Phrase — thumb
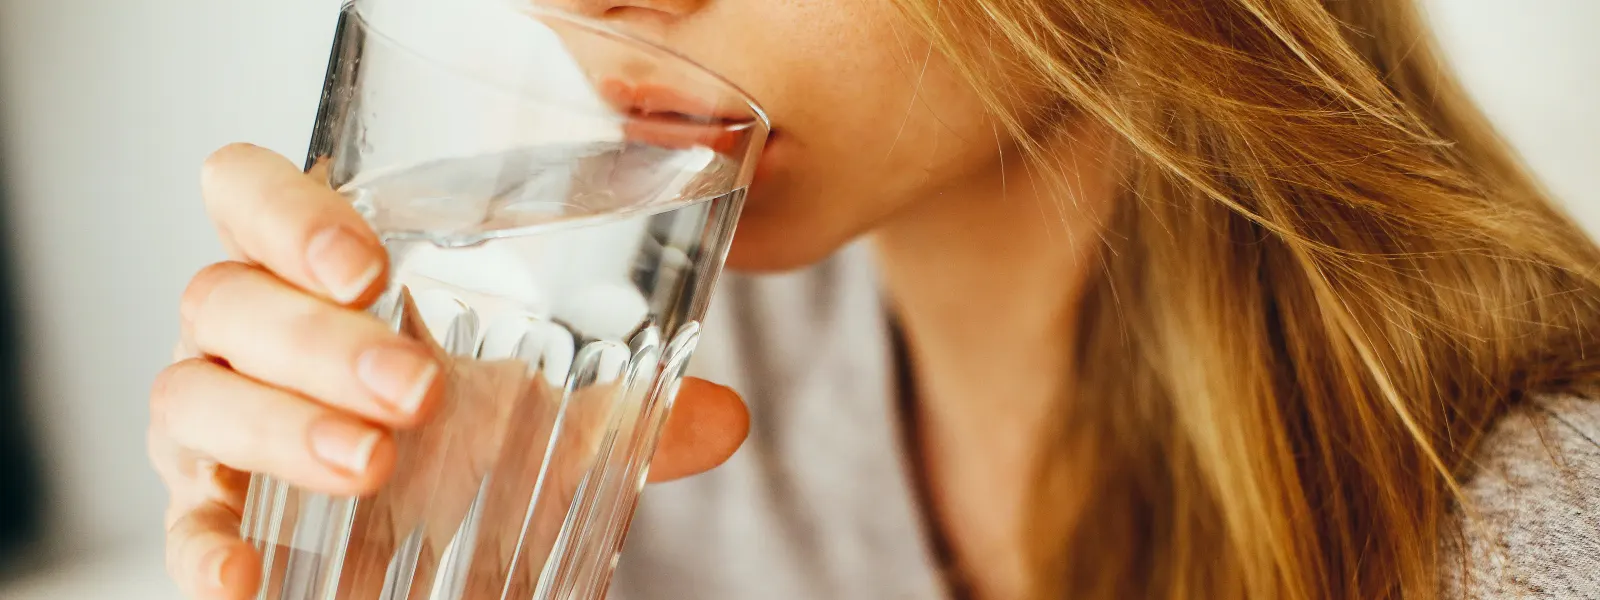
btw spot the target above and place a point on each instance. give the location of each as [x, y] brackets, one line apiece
[707, 425]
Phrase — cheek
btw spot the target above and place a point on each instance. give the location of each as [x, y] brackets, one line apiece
[868, 120]
[843, 173]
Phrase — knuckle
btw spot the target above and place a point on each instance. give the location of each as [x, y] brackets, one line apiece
[216, 165]
[156, 452]
[172, 387]
[177, 540]
[191, 305]
[159, 390]
[174, 464]
[169, 382]
[156, 444]
[171, 516]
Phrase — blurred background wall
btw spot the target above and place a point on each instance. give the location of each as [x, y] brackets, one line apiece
[108, 106]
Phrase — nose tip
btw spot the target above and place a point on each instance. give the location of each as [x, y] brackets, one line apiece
[629, 10]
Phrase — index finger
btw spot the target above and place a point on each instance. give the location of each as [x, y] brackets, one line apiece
[270, 213]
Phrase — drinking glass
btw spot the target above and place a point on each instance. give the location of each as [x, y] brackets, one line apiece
[557, 200]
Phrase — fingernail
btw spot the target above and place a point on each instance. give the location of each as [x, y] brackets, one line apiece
[214, 565]
[343, 262]
[399, 375]
[344, 445]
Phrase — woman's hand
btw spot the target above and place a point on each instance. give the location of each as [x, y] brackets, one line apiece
[279, 371]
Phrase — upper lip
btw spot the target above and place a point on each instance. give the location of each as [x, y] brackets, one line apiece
[654, 101]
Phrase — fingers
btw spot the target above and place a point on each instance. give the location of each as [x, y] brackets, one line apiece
[207, 558]
[250, 426]
[707, 425]
[192, 479]
[271, 213]
[273, 333]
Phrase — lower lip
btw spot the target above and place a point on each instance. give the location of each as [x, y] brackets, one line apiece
[681, 135]
[669, 133]
[676, 132]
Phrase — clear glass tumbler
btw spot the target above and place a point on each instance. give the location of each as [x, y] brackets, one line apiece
[557, 199]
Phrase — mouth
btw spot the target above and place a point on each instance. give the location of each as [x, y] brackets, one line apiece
[661, 103]
[662, 116]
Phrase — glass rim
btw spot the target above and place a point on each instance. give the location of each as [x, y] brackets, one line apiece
[600, 28]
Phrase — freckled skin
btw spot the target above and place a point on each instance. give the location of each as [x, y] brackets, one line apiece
[868, 121]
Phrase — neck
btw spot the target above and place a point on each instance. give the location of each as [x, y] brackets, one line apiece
[985, 281]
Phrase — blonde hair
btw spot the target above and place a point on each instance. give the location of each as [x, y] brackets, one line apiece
[1327, 279]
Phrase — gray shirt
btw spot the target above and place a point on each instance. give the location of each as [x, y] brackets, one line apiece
[820, 503]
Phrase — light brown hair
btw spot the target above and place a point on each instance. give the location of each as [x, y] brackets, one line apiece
[1328, 277]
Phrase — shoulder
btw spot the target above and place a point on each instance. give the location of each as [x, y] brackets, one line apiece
[1529, 523]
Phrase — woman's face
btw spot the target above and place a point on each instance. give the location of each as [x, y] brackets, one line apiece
[866, 120]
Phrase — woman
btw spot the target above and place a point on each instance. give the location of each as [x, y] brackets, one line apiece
[1179, 299]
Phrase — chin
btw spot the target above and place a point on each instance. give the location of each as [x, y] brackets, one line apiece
[783, 227]
[758, 249]
[772, 243]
